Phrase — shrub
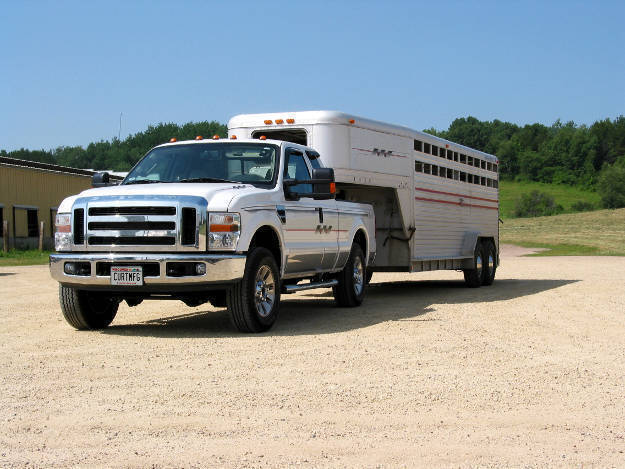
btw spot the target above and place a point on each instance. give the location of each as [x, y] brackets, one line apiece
[583, 206]
[536, 204]
[611, 185]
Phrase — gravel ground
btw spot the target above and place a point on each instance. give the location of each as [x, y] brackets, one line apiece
[529, 372]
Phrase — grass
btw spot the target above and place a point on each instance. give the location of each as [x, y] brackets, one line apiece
[601, 232]
[29, 257]
[510, 191]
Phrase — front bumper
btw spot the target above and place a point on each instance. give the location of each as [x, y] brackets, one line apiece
[220, 268]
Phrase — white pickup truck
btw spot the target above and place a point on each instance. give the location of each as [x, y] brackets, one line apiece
[233, 222]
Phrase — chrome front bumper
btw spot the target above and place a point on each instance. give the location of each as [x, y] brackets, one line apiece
[220, 268]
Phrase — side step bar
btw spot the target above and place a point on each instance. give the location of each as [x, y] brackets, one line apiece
[309, 286]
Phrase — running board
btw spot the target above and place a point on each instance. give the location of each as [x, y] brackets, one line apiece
[309, 286]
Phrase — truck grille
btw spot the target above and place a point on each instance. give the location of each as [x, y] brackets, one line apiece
[142, 223]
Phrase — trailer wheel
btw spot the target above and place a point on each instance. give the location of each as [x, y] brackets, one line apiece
[86, 310]
[473, 277]
[350, 290]
[490, 263]
[253, 302]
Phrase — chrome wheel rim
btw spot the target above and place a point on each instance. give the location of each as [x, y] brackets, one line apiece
[478, 264]
[358, 276]
[491, 262]
[264, 291]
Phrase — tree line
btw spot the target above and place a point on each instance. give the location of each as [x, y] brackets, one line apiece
[119, 155]
[560, 153]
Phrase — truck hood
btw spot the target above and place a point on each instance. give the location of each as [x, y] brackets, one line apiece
[218, 195]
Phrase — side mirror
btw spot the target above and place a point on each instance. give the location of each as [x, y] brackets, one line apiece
[100, 180]
[323, 184]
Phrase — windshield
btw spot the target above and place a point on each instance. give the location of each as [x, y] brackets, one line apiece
[207, 162]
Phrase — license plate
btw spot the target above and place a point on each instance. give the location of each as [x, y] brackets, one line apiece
[126, 275]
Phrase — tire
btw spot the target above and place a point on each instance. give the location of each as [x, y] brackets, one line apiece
[490, 263]
[86, 310]
[473, 277]
[253, 303]
[350, 290]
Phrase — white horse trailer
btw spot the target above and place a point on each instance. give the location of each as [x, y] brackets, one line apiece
[436, 202]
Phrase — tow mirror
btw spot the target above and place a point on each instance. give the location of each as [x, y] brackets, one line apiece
[323, 183]
[101, 180]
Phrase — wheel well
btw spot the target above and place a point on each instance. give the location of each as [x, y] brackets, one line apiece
[361, 239]
[267, 238]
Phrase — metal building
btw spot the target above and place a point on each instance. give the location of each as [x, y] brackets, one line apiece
[30, 193]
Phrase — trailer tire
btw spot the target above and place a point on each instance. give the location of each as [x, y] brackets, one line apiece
[86, 310]
[473, 277]
[253, 302]
[350, 290]
[490, 263]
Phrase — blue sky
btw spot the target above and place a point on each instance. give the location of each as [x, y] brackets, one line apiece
[68, 69]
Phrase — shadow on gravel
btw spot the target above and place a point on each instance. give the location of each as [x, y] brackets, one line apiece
[4, 274]
[316, 313]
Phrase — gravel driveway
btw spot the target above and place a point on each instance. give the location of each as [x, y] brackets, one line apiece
[528, 372]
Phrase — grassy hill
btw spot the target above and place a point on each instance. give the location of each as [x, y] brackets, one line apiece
[601, 232]
[564, 195]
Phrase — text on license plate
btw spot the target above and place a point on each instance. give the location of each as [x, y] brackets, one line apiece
[126, 275]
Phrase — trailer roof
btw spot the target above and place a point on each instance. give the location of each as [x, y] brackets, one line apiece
[341, 118]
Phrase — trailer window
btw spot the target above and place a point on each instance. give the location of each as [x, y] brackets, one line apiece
[463, 176]
[434, 150]
[450, 155]
[494, 168]
[442, 172]
[450, 173]
[495, 183]
[470, 178]
[418, 145]
[456, 175]
[483, 164]
[489, 166]
[470, 160]
[463, 158]
[426, 168]
[298, 136]
[476, 179]
[455, 156]
[434, 170]
[426, 148]
[418, 166]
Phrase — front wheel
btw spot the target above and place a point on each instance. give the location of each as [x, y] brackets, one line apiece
[87, 310]
[253, 302]
[350, 290]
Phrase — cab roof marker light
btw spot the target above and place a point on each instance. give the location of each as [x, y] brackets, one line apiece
[199, 137]
[215, 137]
[268, 121]
[173, 139]
[290, 121]
[234, 137]
[352, 121]
[279, 121]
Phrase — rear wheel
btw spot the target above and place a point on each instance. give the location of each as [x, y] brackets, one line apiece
[350, 290]
[473, 277]
[87, 310]
[490, 263]
[253, 302]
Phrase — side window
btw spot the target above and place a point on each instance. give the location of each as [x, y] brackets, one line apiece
[296, 168]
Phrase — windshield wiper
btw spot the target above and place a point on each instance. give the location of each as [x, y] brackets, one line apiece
[142, 181]
[207, 180]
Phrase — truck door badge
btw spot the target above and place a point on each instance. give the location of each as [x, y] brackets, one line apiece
[323, 229]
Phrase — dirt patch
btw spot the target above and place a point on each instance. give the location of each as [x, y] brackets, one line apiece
[528, 372]
[510, 250]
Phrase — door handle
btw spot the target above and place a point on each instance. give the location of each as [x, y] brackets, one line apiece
[320, 210]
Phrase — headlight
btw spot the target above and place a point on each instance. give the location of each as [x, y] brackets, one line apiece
[224, 230]
[63, 232]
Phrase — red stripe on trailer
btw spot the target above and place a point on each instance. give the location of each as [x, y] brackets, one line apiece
[422, 189]
[455, 203]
